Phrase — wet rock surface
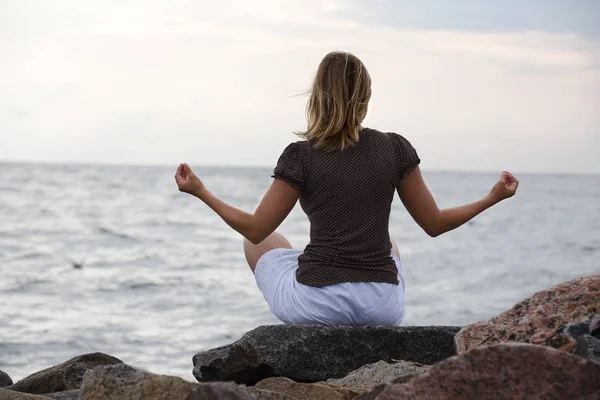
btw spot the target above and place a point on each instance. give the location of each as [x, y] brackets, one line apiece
[308, 353]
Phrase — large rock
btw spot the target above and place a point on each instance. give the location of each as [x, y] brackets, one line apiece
[279, 388]
[220, 390]
[505, 371]
[553, 317]
[11, 395]
[368, 376]
[588, 347]
[116, 382]
[65, 376]
[308, 353]
[5, 379]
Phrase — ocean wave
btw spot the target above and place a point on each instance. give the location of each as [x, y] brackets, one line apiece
[24, 287]
[142, 285]
[111, 232]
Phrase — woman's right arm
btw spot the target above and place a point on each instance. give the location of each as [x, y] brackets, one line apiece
[421, 205]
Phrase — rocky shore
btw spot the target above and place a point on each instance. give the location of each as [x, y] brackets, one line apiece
[546, 346]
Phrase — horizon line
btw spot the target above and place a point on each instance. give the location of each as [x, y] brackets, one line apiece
[164, 165]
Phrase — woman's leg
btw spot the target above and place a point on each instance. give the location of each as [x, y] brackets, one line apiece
[254, 251]
[395, 247]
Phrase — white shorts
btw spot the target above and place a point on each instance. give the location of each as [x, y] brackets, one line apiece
[348, 303]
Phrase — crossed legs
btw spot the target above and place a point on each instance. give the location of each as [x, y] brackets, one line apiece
[277, 241]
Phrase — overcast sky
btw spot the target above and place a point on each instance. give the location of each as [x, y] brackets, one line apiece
[473, 85]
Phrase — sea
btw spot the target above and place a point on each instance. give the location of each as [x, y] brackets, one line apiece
[115, 259]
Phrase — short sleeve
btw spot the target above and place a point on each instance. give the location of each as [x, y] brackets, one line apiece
[406, 156]
[289, 167]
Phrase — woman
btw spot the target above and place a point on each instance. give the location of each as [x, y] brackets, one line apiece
[345, 177]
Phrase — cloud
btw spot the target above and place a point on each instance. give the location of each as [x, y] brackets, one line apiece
[552, 16]
[156, 82]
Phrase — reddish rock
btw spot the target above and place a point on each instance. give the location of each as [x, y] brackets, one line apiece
[554, 317]
[505, 371]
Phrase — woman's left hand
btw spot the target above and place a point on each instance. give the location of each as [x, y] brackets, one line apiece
[187, 181]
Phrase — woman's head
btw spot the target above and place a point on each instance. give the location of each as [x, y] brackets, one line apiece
[338, 102]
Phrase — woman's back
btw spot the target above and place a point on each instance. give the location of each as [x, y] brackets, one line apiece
[345, 177]
[347, 195]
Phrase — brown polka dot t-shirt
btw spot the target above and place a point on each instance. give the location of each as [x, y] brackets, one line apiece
[347, 196]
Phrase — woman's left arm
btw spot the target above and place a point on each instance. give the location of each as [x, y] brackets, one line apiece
[270, 213]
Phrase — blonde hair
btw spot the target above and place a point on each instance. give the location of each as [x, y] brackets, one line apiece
[338, 102]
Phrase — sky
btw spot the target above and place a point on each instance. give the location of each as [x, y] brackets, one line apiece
[474, 85]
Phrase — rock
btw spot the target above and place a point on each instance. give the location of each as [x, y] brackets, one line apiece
[588, 347]
[505, 371]
[284, 388]
[373, 393]
[6, 394]
[368, 376]
[576, 329]
[310, 353]
[66, 395]
[595, 327]
[220, 390]
[553, 317]
[124, 382]
[5, 379]
[65, 376]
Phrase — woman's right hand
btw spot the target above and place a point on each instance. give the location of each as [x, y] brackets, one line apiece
[505, 187]
[187, 181]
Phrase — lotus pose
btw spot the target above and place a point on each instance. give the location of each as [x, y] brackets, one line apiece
[345, 176]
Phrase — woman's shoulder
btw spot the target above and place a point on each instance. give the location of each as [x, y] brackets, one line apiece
[388, 136]
[299, 147]
[295, 147]
[398, 142]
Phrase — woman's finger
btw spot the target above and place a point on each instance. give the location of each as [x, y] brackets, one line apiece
[184, 172]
